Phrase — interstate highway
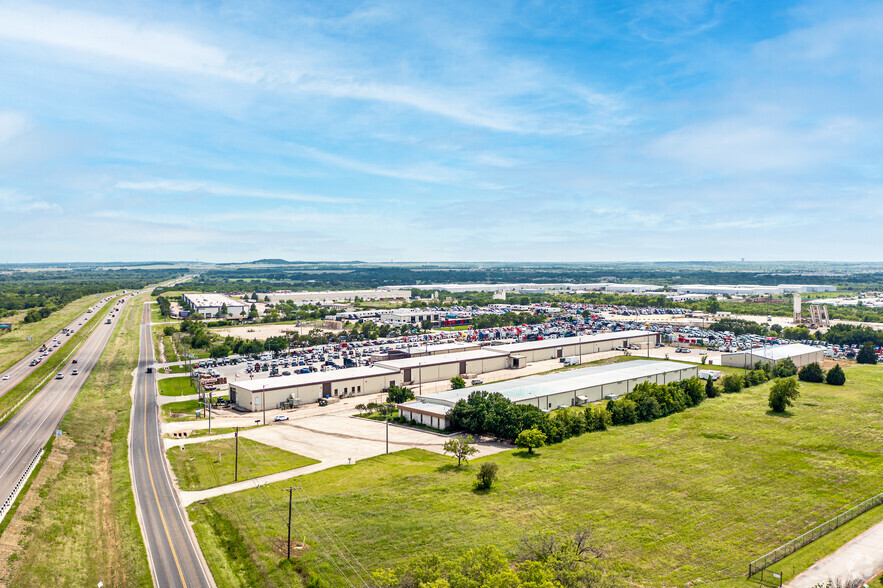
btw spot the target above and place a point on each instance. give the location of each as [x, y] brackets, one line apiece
[32, 426]
[175, 558]
[22, 369]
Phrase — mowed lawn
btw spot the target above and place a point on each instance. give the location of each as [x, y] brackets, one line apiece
[182, 386]
[198, 466]
[693, 496]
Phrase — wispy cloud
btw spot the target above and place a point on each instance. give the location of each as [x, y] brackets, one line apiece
[212, 189]
[16, 201]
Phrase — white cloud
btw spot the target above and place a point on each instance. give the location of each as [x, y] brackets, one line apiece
[186, 186]
[117, 39]
[16, 201]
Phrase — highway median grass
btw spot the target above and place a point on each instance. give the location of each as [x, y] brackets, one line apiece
[689, 498]
[14, 344]
[86, 527]
[53, 364]
[207, 464]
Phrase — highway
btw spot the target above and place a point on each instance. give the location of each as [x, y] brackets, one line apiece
[174, 555]
[22, 437]
[22, 369]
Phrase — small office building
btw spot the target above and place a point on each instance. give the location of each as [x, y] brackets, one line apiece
[210, 305]
[800, 354]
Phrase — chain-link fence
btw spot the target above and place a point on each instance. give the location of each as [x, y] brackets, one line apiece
[787, 549]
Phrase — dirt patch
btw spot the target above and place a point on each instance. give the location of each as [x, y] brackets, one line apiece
[298, 548]
[828, 363]
[28, 507]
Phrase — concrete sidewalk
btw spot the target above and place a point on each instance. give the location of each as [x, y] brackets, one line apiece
[859, 559]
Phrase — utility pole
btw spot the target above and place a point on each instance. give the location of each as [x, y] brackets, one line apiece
[289, 518]
[209, 413]
[387, 427]
[236, 466]
[264, 401]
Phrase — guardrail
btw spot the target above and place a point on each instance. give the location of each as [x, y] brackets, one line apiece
[787, 549]
[10, 500]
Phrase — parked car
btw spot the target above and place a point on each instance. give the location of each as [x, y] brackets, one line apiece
[280, 417]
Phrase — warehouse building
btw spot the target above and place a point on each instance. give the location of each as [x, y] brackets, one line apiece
[436, 368]
[443, 349]
[800, 354]
[303, 388]
[209, 305]
[412, 317]
[332, 296]
[550, 391]
[532, 351]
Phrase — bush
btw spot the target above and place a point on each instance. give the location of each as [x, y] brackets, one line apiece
[399, 394]
[811, 372]
[783, 392]
[785, 368]
[530, 439]
[457, 383]
[711, 390]
[835, 376]
[868, 355]
[622, 411]
[732, 383]
[757, 377]
[597, 419]
[486, 476]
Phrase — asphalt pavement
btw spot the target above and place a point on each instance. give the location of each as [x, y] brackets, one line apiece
[22, 369]
[22, 436]
[172, 549]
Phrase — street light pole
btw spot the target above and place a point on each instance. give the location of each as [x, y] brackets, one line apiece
[264, 401]
[289, 518]
[236, 466]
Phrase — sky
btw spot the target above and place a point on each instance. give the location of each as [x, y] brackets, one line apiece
[441, 131]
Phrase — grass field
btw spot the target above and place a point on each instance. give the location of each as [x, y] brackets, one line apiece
[198, 467]
[187, 407]
[84, 528]
[693, 496]
[176, 386]
[215, 431]
[14, 345]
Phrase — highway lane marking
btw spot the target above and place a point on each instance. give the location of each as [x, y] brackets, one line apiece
[153, 485]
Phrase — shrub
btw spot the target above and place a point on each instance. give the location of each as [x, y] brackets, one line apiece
[811, 372]
[457, 383]
[757, 377]
[597, 419]
[711, 390]
[622, 411]
[783, 392]
[530, 439]
[785, 368]
[835, 376]
[399, 394]
[486, 476]
[868, 355]
[732, 383]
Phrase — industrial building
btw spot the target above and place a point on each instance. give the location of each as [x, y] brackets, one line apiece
[332, 296]
[800, 354]
[442, 349]
[548, 392]
[751, 290]
[410, 317]
[303, 388]
[531, 351]
[437, 368]
[209, 305]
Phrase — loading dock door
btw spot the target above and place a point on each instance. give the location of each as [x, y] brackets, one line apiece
[407, 374]
[462, 368]
[560, 353]
[326, 389]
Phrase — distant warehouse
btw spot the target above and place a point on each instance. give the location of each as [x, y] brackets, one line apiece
[532, 351]
[551, 391]
[800, 354]
[210, 305]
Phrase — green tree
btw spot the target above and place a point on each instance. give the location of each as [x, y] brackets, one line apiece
[785, 368]
[867, 355]
[835, 376]
[223, 310]
[732, 383]
[168, 330]
[711, 390]
[811, 372]
[426, 324]
[457, 383]
[713, 305]
[461, 448]
[530, 439]
[486, 476]
[399, 394]
[782, 393]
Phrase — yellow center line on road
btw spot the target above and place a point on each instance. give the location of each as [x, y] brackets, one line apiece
[155, 495]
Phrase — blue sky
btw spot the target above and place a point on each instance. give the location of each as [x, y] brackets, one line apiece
[408, 131]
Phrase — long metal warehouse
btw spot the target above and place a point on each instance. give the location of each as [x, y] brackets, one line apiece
[545, 349]
[551, 391]
[435, 368]
[800, 354]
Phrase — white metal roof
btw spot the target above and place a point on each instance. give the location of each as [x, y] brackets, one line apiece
[562, 341]
[777, 352]
[296, 380]
[444, 358]
[560, 382]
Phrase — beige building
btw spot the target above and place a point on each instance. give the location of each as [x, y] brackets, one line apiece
[533, 351]
[304, 388]
[800, 354]
[437, 368]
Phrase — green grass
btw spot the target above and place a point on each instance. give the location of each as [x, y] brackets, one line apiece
[182, 386]
[197, 466]
[14, 344]
[85, 527]
[50, 366]
[179, 369]
[187, 407]
[696, 495]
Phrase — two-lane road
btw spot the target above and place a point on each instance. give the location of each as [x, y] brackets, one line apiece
[22, 437]
[175, 558]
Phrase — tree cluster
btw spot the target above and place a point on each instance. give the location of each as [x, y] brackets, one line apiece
[649, 401]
